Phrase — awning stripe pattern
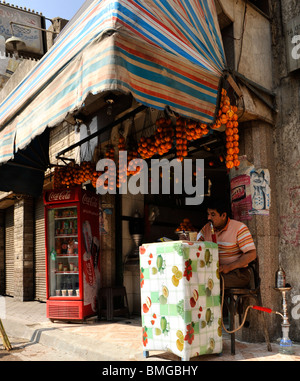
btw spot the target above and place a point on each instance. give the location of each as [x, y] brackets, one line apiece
[164, 52]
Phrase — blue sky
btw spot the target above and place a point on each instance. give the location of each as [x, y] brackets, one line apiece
[51, 8]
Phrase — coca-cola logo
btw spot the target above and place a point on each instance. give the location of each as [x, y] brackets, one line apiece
[60, 196]
[88, 269]
[89, 273]
[90, 200]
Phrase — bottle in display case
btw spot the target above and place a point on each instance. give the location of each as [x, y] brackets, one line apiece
[72, 253]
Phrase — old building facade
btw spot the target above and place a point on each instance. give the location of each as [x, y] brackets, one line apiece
[255, 36]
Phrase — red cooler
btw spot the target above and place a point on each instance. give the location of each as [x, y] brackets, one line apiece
[72, 253]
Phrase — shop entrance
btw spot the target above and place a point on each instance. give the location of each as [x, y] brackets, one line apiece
[164, 213]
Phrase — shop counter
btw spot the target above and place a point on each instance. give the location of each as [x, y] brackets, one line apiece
[180, 297]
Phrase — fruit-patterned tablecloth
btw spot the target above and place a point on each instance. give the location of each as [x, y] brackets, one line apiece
[180, 296]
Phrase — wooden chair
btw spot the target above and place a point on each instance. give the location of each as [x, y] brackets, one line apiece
[235, 299]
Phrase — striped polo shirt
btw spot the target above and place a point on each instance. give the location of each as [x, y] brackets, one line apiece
[233, 240]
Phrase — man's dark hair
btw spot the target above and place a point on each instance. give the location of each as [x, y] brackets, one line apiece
[221, 206]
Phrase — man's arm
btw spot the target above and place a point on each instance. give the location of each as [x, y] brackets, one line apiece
[243, 261]
[201, 235]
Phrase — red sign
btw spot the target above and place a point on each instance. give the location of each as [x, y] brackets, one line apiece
[62, 195]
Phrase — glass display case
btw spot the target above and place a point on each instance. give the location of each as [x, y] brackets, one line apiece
[72, 253]
[63, 248]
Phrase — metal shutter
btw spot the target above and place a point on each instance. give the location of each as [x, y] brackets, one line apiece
[39, 251]
[9, 251]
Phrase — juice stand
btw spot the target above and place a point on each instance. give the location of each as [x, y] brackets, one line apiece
[180, 296]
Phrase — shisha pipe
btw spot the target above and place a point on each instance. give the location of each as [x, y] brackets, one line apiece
[258, 308]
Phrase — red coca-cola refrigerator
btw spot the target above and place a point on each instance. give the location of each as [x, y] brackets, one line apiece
[72, 253]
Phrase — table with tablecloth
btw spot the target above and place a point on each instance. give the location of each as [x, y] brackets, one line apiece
[180, 298]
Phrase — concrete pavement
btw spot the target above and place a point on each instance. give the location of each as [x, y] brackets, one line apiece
[120, 340]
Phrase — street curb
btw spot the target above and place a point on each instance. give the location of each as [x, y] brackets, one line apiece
[87, 349]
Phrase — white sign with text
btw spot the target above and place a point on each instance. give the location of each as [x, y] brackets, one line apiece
[293, 43]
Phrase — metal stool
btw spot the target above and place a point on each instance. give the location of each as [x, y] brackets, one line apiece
[108, 294]
[234, 300]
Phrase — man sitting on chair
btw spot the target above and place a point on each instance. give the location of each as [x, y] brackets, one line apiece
[235, 242]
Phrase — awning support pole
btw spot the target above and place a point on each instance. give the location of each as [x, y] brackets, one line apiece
[95, 134]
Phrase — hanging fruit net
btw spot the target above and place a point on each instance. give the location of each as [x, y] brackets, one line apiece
[166, 137]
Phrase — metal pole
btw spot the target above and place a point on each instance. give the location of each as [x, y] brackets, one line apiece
[110, 126]
[29, 26]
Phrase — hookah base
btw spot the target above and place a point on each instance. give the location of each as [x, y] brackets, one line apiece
[286, 347]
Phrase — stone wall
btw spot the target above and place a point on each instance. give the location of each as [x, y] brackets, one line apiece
[251, 41]
[287, 155]
[61, 137]
[257, 145]
[25, 66]
[253, 60]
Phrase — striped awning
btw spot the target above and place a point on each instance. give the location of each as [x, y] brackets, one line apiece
[163, 52]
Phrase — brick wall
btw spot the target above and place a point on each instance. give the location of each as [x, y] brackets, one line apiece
[62, 137]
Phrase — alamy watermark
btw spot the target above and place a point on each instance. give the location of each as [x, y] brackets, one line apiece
[295, 312]
[296, 49]
[186, 179]
[2, 308]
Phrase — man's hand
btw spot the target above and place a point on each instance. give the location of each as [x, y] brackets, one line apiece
[243, 261]
[225, 269]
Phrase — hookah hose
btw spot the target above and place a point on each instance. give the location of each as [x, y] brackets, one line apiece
[258, 308]
[222, 303]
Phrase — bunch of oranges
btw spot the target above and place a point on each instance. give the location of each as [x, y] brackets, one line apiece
[164, 135]
[121, 144]
[185, 225]
[121, 176]
[181, 139]
[146, 147]
[160, 142]
[70, 176]
[195, 130]
[228, 116]
[110, 152]
[187, 131]
[131, 156]
[87, 171]
[64, 177]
